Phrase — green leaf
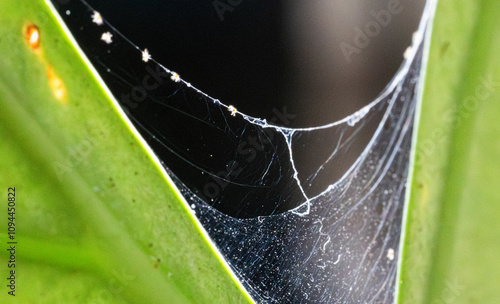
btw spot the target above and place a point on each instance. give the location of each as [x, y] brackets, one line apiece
[96, 220]
[451, 244]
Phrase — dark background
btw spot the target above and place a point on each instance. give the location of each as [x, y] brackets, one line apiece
[263, 57]
[266, 54]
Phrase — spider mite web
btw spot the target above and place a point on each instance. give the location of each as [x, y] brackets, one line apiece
[338, 243]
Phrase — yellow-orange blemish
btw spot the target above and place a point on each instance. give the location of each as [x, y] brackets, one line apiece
[32, 36]
[56, 85]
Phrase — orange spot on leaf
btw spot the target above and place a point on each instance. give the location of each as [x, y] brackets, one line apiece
[32, 36]
[56, 84]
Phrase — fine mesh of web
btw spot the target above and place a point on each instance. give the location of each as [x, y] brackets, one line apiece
[340, 245]
[344, 247]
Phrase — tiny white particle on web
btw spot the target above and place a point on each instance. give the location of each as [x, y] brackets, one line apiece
[96, 18]
[175, 77]
[408, 51]
[68, 12]
[107, 37]
[145, 55]
[390, 254]
[356, 117]
[232, 110]
[416, 37]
